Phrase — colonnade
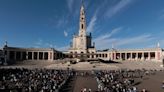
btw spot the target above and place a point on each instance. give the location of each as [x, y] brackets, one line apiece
[142, 55]
[17, 54]
[30, 55]
[133, 55]
[34, 55]
[136, 56]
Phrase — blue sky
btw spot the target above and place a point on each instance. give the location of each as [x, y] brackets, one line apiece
[51, 23]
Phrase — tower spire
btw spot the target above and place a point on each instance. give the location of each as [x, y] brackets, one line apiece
[82, 24]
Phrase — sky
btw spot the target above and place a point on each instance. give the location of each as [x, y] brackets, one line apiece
[122, 24]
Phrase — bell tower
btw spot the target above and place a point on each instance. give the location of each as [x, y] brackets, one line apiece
[82, 42]
[82, 23]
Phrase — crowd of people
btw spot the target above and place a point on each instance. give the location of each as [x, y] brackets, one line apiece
[37, 80]
[119, 80]
[51, 80]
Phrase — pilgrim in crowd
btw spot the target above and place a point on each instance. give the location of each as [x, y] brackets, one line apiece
[37, 80]
[119, 80]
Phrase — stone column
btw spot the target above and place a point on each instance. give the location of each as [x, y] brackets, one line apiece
[32, 55]
[142, 56]
[43, 56]
[38, 56]
[136, 58]
[114, 56]
[131, 56]
[158, 55]
[120, 56]
[148, 55]
[96, 57]
[26, 55]
[125, 56]
[109, 56]
[52, 56]
[49, 55]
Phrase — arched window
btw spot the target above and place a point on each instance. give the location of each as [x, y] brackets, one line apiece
[81, 26]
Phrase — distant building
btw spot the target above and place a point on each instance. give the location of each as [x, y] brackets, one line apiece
[82, 48]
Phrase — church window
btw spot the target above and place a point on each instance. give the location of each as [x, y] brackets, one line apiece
[81, 26]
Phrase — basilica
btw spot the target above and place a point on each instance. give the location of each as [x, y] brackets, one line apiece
[81, 48]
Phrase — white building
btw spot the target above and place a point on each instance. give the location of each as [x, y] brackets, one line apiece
[82, 46]
[82, 43]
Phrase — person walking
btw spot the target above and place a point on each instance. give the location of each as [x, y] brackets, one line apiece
[89, 90]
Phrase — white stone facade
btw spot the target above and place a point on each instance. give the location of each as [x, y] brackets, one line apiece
[152, 54]
[82, 43]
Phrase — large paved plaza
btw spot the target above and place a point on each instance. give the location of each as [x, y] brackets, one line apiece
[149, 65]
[84, 78]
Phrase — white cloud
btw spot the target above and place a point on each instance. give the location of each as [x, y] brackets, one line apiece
[92, 24]
[70, 4]
[134, 40]
[108, 35]
[117, 8]
[61, 21]
[39, 42]
[105, 41]
[43, 44]
[49, 45]
[65, 33]
[161, 15]
[64, 48]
